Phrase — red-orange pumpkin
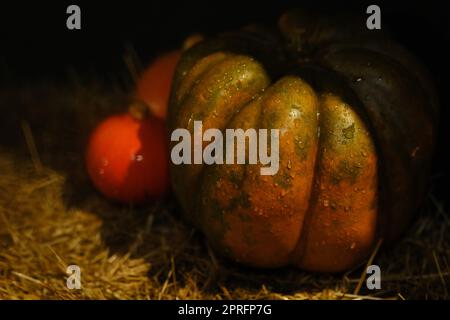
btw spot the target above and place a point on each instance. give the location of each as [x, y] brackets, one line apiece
[126, 156]
[360, 114]
[153, 87]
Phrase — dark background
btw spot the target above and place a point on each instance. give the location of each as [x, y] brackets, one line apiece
[36, 46]
[36, 42]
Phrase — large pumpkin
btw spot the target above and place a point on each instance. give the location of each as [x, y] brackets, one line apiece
[359, 115]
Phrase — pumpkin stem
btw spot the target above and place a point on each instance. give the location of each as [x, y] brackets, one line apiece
[139, 110]
[192, 40]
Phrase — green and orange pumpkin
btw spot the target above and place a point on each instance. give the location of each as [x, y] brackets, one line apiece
[360, 116]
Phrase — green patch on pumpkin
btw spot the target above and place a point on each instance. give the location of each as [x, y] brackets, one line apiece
[302, 147]
[242, 200]
[283, 179]
[346, 171]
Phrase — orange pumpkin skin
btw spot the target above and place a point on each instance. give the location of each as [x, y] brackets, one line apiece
[359, 119]
[126, 157]
[153, 86]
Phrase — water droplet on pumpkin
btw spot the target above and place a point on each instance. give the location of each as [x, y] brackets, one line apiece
[353, 245]
[326, 203]
[349, 132]
[414, 152]
[295, 113]
[289, 164]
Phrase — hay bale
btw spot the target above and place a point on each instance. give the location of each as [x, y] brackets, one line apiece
[51, 217]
